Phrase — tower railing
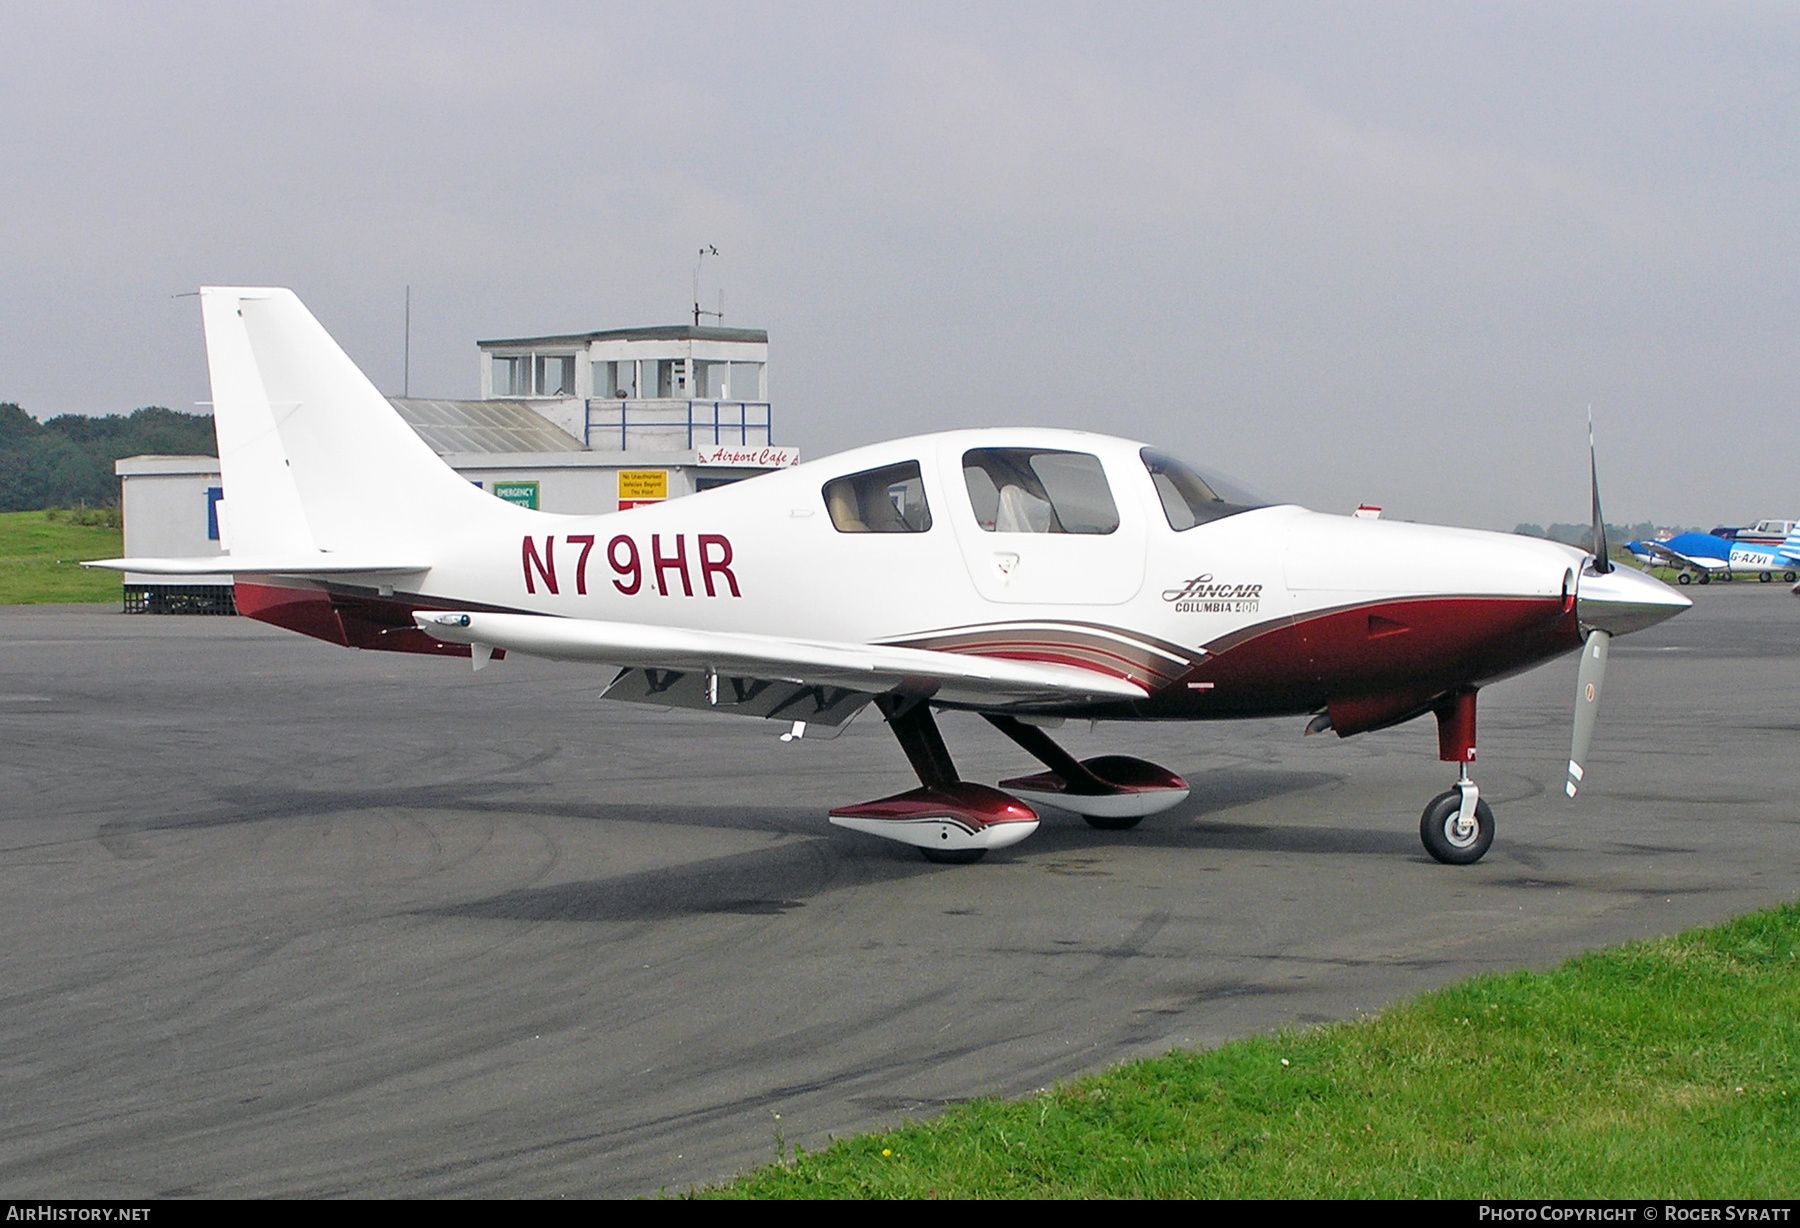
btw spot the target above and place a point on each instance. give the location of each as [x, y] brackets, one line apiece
[667, 424]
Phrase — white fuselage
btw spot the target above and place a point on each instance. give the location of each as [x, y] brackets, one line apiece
[764, 557]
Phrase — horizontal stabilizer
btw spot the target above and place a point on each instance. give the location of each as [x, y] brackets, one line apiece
[863, 669]
[320, 564]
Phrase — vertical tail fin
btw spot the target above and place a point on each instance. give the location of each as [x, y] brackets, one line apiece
[312, 455]
[262, 513]
[1789, 550]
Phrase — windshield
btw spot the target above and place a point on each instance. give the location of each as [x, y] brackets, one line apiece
[1189, 499]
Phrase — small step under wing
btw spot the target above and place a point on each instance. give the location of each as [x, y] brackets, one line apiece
[775, 677]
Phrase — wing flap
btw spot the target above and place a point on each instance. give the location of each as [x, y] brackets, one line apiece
[863, 669]
[773, 700]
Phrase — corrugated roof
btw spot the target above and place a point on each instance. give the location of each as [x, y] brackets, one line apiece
[661, 332]
[483, 426]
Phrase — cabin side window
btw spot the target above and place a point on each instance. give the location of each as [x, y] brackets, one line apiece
[1039, 490]
[886, 500]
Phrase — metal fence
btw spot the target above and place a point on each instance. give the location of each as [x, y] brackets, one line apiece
[180, 599]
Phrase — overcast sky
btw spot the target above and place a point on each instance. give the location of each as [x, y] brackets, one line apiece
[1382, 252]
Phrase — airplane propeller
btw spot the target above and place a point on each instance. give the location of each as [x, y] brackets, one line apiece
[1588, 683]
[1602, 560]
[1591, 678]
[1608, 602]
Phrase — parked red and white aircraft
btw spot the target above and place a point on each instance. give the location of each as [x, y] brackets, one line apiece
[1028, 575]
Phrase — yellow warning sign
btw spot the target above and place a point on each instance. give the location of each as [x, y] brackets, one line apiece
[638, 484]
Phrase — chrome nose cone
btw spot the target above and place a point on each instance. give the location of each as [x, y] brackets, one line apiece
[1622, 601]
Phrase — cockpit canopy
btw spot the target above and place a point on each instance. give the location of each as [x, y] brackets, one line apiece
[1189, 499]
[1030, 490]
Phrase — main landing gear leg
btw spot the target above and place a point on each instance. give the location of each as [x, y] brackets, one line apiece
[1111, 792]
[918, 735]
[947, 819]
[1457, 827]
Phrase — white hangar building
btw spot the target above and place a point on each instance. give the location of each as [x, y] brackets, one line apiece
[587, 422]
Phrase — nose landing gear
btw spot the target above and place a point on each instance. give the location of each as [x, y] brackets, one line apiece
[1457, 827]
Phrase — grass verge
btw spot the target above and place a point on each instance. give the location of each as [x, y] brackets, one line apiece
[39, 552]
[1661, 1069]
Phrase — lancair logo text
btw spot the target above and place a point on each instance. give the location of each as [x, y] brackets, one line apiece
[1202, 596]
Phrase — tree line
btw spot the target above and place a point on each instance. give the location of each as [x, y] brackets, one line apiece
[68, 460]
[1582, 535]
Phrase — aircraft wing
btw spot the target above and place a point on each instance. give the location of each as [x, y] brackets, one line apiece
[1662, 556]
[322, 563]
[772, 676]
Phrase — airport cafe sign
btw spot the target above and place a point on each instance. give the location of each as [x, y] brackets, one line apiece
[748, 456]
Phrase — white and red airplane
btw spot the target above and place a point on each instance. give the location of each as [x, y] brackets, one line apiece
[1028, 575]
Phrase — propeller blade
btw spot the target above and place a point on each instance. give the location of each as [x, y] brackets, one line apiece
[1602, 560]
[1588, 684]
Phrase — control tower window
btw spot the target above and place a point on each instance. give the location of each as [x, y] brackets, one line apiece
[512, 377]
[746, 381]
[556, 375]
[616, 379]
[887, 500]
[1037, 490]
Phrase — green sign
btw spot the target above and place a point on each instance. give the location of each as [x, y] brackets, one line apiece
[525, 494]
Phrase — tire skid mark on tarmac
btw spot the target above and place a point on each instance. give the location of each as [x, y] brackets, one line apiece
[772, 879]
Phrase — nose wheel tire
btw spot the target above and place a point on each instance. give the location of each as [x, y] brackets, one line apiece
[1113, 822]
[1438, 830]
[952, 857]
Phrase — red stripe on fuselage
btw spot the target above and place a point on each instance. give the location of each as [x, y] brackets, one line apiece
[1083, 656]
[1062, 658]
[1339, 656]
[1070, 644]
